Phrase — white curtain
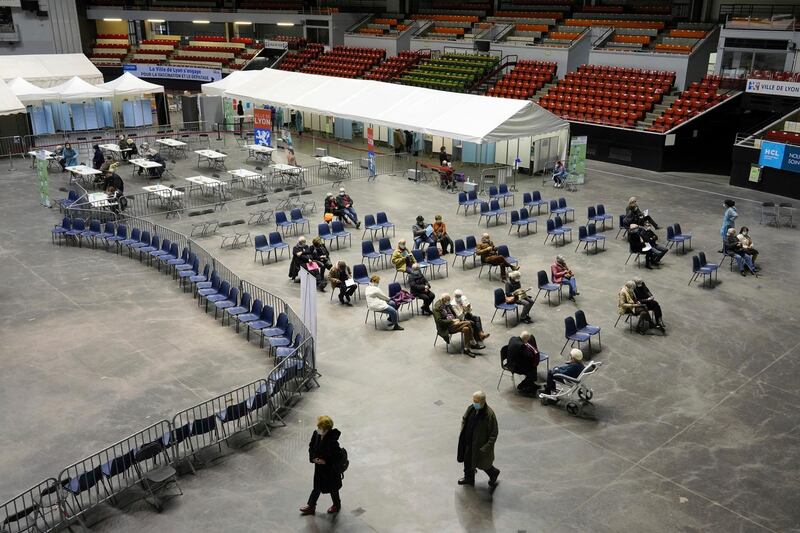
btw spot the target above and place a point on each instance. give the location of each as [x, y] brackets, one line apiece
[308, 302]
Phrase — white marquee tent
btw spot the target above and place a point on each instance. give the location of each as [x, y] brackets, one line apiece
[28, 92]
[471, 118]
[9, 103]
[46, 70]
[78, 89]
[130, 85]
[232, 80]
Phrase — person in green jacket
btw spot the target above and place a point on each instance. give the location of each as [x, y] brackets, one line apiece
[476, 441]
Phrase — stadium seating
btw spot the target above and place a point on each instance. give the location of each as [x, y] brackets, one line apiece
[524, 80]
[691, 102]
[294, 61]
[449, 72]
[345, 62]
[788, 137]
[396, 66]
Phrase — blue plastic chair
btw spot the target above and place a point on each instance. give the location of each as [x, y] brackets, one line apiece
[133, 241]
[230, 302]
[384, 223]
[200, 279]
[92, 232]
[585, 239]
[566, 229]
[572, 334]
[368, 252]
[360, 276]
[371, 226]
[504, 194]
[543, 282]
[472, 243]
[220, 295]
[276, 241]
[500, 304]
[593, 233]
[207, 288]
[120, 235]
[338, 231]
[419, 256]
[282, 222]
[281, 325]
[187, 273]
[299, 220]
[154, 246]
[461, 251]
[685, 237]
[107, 231]
[584, 327]
[394, 288]
[324, 232]
[261, 246]
[76, 231]
[601, 214]
[59, 231]
[386, 250]
[521, 219]
[535, 201]
[698, 269]
[565, 209]
[253, 314]
[463, 201]
[265, 320]
[553, 233]
[284, 339]
[433, 258]
[623, 228]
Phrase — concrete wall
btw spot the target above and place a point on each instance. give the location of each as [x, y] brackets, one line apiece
[579, 53]
[340, 23]
[697, 67]
[59, 32]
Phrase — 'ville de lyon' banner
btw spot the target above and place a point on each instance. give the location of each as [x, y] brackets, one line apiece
[775, 88]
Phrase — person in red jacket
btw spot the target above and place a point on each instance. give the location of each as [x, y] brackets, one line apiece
[560, 273]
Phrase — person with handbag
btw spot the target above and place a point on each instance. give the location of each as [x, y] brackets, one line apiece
[378, 302]
[563, 275]
[302, 257]
[326, 454]
[320, 254]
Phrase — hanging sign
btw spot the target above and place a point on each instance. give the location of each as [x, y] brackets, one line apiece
[577, 158]
[262, 126]
[371, 153]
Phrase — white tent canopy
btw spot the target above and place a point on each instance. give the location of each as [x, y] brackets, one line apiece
[9, 103]
[232, 80]
[472, 118]
[46, 70]
[130, 85]
[28, 92]
[77, 89]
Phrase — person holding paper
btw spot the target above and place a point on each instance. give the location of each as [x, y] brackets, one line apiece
[422, 232]
[341, 278]
[639, 246]
[634, 215]
[515, 294]
[320, 254]
[441, 237]
[650, 237]
[401, 257]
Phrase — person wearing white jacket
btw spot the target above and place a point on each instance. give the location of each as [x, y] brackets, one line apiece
[380, 303]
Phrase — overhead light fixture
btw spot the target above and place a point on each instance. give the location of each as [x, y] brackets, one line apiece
[201, 22]
[158, 21]
[286, 24]
[242, 23]
[112, 20]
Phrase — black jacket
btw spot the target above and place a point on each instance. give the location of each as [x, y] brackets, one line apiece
[635, 241]
[114, 180]
[298, 261]
[318, 252]
[332, 206]
[417, 282]
[641, 292]
[98, 159]
[326, 478]
[520, 360]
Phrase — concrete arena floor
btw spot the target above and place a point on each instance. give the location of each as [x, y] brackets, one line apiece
[695, 431]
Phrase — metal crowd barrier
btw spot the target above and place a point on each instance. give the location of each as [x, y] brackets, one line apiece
[38, 509]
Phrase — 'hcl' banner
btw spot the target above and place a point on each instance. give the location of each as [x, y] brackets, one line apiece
[779, 155]
[262, 126]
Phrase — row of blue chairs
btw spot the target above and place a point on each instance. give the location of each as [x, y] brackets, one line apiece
[701, 267]
[374, 224]
[262, 246]
[556, 229]
[293, 222]
[500, 192]
[428, 258]
[576, 329]
[588, 235]
[333, 232]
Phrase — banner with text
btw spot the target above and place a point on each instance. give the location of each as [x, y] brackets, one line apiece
[775, 88]
[173, 73]
[262, 126]
[371, 153]
[577, 158]
[780, 156]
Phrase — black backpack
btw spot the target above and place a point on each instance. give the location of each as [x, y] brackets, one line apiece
[343, 463]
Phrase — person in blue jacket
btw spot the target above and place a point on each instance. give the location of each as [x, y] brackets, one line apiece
[69, 157]
[572, 369]
[729, 218]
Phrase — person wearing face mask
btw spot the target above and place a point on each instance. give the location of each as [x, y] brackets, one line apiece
[734, 248]
[326, 453]
[643, 295]
[476, 441]
[463, 309]
[634, 215]
[332, 206]
[747, 244]
[421, 288]
[447, 323]
[346, 207]
[338, 276]
[728, 218]
[301, 254]
[420, 231]
[487, 251]
[378, 302]
[402, 259]
[572, 369]
[69, 157]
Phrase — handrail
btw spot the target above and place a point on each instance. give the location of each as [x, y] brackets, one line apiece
[606, 34]
[504, 62]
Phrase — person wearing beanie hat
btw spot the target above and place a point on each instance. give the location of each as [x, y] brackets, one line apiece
[572, 369]
[420, 232]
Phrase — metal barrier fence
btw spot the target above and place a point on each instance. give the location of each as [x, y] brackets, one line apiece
[38, 509]
[108, 473]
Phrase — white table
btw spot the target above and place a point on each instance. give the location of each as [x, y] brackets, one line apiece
[259, 152]
[289, 173]
[82, 173]
[50, 156]
[175, 147]
[340, 168]
[201, 182]
[114, 149]
[144, 164]
[170, 198]
[214, 159]
[98, 199]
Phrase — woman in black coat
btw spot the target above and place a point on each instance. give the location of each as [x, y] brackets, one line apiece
[324, 451]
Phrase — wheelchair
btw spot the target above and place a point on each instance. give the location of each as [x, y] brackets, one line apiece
[567, 389]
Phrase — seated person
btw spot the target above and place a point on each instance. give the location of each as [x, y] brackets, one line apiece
[420, 231]
[401, 257]
[562, 275]
[487, 251]
[643, 296]
[638, 245]
[97, 159]
[634, 215]
[443, 157]
[560, 173]
[747, 244]
[572, 369]
[133, 150]
[291, 159]
[301, 254]
[515, 294]
[463, 310]
[123, 147]
[420, 288]
[107, 163]
[321, 255]
[111, 178]
[156, 172]
[146, 151]
[346, 207]
[338, 277]
[447, 324]
[332, 206]
[734, 248]
[523, 358]
[649, 236]
[628, 305]
[116, 201]
[441, 237]
[446, 178]
[67, 157]
[380, 303]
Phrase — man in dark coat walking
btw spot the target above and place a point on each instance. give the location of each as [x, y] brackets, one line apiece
[324, 451]
[476, 441]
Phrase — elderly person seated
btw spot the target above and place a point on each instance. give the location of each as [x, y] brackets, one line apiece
[572, 369]
[133, 150]
[734, 248]
[747, 244]
[111, 178]
[420, 288]
[401, 257]
[523, 358]
[421, 234]
[627, 304]
[646, 298]
[320, 254]
[463, 310]
[487, 251]
[440, 235]
[332, 205]
[640, 246]
[339, 276]
[378, 302]
[515, 294]
[560, 173]
[123, 147]
[303, 257]
[634, 215]
[562, 275]
[447, 323]
[346, 207]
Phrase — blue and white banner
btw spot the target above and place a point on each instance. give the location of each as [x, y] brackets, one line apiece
[173, 73]
[779, 155]
[775, 88]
